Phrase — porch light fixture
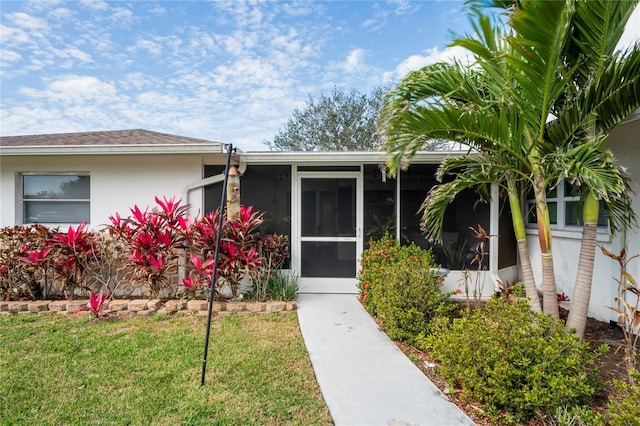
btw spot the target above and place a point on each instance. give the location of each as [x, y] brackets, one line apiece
[383, 170]
[233, 194]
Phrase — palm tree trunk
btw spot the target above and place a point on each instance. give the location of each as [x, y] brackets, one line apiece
[549, 293]
[582, 289]
[525, 262]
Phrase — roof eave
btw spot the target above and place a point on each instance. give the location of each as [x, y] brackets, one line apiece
[367, 157]
[213, 148]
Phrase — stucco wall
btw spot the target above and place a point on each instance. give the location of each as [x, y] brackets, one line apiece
[625, 143]
[117, 182]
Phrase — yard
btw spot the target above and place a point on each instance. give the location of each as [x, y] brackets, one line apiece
[57, 369]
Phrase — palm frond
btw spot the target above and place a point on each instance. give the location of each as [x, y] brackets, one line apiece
[591, 167]
[538, 66]
[440, 196]
[604, 103]
[598, 26]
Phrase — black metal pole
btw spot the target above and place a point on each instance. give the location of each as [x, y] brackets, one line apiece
[214, 274]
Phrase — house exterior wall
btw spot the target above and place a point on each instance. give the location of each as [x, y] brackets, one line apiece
[625, 144]
[117, 182]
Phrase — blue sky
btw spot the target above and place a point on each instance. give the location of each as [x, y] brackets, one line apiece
[224, 71]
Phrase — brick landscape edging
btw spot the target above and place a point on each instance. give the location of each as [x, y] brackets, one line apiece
[132, 307]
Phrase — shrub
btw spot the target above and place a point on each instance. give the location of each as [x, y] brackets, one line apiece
[398, 286]
[519, 363]
[148, 248]
[283, 285]
[577, 416]
[24, 267]
[154, 242]
[624, 406]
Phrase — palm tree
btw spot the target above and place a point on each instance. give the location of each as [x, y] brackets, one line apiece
[482, 107]
[545, 67]
[606, 90]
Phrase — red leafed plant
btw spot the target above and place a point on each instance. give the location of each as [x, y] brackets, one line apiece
[71, 253]
[239, 245]
[25, 270]
[96, 302]
[155, 240]
[199, 277]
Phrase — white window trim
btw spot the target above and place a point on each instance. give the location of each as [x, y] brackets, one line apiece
[560, 229]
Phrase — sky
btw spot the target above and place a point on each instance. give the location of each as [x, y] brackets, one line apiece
[225, 71]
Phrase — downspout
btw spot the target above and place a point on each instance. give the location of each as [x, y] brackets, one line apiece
[494, 236]
[242, 167]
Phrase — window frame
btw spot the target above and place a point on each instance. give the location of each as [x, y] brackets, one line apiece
[23, 200]
[561, 199]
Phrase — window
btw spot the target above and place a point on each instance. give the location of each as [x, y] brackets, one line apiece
[55, 198]
[565, 208]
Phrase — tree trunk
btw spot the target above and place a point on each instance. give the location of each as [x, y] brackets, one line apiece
[549, 293]
[582, 289]
[527, 275]
[521, 236]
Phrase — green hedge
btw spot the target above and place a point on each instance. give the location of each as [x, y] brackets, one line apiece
[398, 286]
[521, 364]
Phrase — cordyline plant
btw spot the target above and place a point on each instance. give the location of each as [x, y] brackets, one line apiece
[87, 261]
[199, 279]
[70, 255]
[274, 251]
[155, 241]
[239, 246]
[96, 302]
[24, 268]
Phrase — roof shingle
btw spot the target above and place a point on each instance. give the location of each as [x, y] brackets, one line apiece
[103, 138]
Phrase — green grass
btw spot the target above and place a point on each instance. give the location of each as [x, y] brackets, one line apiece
[146, 371]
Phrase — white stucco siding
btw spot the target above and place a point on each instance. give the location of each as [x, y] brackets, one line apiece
[565, 262]
[625, 143]
[117, 182]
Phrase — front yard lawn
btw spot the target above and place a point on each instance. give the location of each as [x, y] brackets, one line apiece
[58, 369]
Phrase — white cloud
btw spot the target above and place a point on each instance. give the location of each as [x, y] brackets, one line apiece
[355, 61]
[246, 14]
[431, 56]
[28, 22]
[10, 56]
[61, 13]
[95, 4]
[389, 8]
[73, 89]
[158, 10]
[122, 15]
[74, 52]
[148, 45]
[298, 8]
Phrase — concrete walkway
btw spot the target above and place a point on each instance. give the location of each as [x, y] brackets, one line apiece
[364, 378]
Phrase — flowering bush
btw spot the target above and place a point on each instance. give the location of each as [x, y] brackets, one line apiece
[398, 285]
